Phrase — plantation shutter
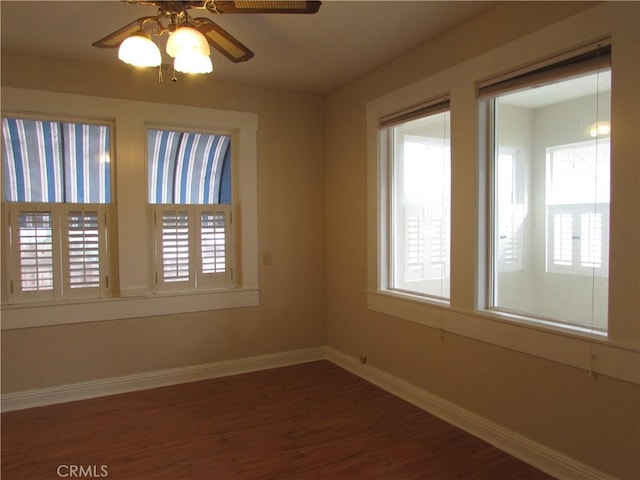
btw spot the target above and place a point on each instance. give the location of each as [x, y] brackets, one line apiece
[84, 250]
[510, 237]
[33, 253]
[215, 245]
[415, 242]
[193, 245]
[173, 237]
[578, 239]
[57, 251]
[426, 241]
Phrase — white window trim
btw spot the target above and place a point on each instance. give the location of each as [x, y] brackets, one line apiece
[136, 291]
[390, 213]
[617, 355]
[61, 289]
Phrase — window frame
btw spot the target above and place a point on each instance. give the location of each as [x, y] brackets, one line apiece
[386, 211]
[580, 61]
[136, 297]
[61, 291]
[467, 316]
[390, 161]
[197, 281]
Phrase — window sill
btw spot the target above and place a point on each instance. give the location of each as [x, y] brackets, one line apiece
[591, 352]
[99, 310]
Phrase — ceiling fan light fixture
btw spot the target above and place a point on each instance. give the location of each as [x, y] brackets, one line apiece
[187, 38]
[140, 51]
[192, 61]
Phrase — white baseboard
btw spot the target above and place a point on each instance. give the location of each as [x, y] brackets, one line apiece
[533, 453]
[129, 383]
[540, 456]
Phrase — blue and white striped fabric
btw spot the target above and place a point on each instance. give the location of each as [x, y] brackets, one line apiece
[47, 161]
[188, 167]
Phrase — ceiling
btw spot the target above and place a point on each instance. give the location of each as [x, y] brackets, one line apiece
[312, 53]
[551, 94]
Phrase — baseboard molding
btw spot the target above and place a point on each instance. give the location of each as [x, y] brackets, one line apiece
[540, 456]
[533, 453]
[129, 383]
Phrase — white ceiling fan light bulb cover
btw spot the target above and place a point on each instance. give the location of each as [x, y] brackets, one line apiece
[140, 51]
[192, 61]
[187, 38]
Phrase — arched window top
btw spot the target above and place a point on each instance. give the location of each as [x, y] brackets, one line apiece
[188, 167]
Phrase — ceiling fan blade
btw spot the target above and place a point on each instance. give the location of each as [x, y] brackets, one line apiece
[114, 39]
[223, 41]
[263, 6]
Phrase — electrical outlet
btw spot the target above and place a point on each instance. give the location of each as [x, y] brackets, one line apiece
[266, 258]
[363, 359]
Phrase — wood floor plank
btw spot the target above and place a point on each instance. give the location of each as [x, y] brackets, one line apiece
[311, 421]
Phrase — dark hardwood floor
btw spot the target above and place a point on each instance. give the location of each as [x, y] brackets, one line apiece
[311, 421]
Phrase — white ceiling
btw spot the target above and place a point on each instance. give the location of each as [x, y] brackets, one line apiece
[564, 91]
[313, 53]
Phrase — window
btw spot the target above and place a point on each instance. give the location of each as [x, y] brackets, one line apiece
[189, 179]
[577, 201]
[57, 193]
[549, 167]
[419, 162]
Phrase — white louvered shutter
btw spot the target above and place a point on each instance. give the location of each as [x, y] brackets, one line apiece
[415, 243]
[510, 238]
[577, 239]
[84, 250]
[215, 262]
[193, 246]
[57, 251]
[173, 245]
[34, 253]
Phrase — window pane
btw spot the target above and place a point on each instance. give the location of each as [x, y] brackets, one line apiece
[421, 199]
[48, 161]
[188, 167]
[551, 187]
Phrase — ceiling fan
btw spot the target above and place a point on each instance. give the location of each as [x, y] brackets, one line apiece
[173, 16]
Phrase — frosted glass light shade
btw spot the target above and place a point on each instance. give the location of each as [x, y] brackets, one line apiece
[187, 38]
[599, 129]
[140, 51]
[192, 61]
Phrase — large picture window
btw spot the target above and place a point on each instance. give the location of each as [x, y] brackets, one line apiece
[57, 192]
[549, 177]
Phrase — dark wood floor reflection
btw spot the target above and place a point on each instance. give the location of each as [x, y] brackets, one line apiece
[311, 421]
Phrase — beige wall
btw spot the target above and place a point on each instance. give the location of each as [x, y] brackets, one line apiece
[595, 421]
[290, 146]
[312, 178]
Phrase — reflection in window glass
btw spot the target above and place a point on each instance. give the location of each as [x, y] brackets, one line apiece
[421, 206]
[551, 187]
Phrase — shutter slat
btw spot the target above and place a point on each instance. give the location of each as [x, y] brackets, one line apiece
[35, 250]
[83, 249]
[175, 246]
[213, 242]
